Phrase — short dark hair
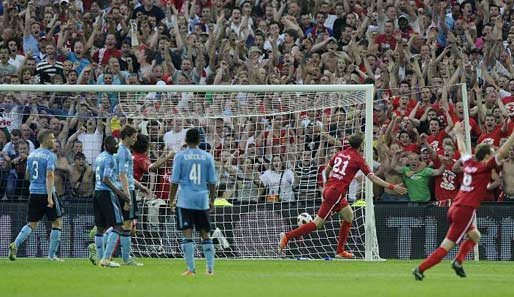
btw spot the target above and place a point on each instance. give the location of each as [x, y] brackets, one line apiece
[80, 156]
[482, 151]
[127, 131]
[43, 135]
[16, 132]
[109, 140]
[356, 140]
[193, 136]
[141, 145]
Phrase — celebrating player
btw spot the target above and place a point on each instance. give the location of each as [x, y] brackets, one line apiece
[43, 200]
[106, 205]
[195, 172]
[477, 174]
[340, 172]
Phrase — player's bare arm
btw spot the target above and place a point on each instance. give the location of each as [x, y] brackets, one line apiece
[107, 181]
[503, 151]
[173, 194]
[50, 187]
[380, 182]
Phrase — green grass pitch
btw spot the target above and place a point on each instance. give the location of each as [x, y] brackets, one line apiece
[242, 278]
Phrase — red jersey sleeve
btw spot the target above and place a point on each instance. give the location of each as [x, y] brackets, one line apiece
[364, 167]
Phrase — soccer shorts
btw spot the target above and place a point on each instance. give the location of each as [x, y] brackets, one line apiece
[107, 209]
[133, 212]
[333, 201]
[38, 208]
[460, 219]
[187, 218]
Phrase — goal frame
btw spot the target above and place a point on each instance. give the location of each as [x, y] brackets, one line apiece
[371, 241]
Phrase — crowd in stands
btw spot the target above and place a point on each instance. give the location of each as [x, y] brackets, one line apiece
[417, 53]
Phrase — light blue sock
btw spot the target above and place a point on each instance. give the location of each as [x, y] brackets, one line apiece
[99, 243]
[24, 233]
[125, 245]
[188, 248]
[208, 253]
[55, 240]
[111, 243]
[106, 237]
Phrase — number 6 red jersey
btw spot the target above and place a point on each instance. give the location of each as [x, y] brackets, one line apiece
[474, 181]
[345, 164]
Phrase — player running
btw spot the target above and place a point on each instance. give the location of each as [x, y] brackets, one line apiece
[106, 204]
[477, 174]
[340, 171]
[195, 172]
[43, 200]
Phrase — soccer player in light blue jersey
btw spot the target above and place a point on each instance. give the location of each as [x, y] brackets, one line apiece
[128, 184]
[195, 173]
[43, 200]
[106, 205]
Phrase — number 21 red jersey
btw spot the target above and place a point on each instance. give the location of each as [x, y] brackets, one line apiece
[474, 181]
[345, 164]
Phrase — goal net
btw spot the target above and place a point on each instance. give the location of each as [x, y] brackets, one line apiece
[271, 145]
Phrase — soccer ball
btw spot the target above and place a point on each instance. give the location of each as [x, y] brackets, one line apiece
[303, 218]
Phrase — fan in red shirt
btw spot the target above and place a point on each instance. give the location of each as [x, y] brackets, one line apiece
[446, 184]
[492, 133]
[477, 174]
[340, 171]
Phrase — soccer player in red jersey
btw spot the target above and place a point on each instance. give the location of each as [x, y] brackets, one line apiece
[477, 174]
[340, 171]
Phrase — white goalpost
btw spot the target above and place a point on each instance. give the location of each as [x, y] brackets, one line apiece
[270, 143]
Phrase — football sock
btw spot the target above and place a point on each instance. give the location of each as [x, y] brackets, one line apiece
[208, 252]
[55, 240]
[24, 233]
[302, 230]
[99, 243]
[125, 245]
[344, 230]
[111, 243]
[433, 259]
[188, 248]
[464, 249]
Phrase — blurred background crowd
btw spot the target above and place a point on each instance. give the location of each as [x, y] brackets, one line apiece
[416, 53]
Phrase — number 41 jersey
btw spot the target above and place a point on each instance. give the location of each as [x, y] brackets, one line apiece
[38, 163]
[193, 170]
[345, 164]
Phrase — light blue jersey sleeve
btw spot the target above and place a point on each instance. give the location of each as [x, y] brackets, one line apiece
[213, 176]
[52, 159]
[125, 165]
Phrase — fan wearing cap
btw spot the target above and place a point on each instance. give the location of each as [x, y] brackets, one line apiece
[329, 59]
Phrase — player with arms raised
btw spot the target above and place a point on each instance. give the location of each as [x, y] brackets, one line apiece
[477, 174]
[340, 171]
[42, 201]
[195, 172]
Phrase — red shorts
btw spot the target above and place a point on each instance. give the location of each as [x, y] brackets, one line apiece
[333, 201]
[461, 222]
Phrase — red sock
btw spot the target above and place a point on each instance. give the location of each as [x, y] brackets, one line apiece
[464, 249]
[433, 259]
[344, 230]
[302, 230]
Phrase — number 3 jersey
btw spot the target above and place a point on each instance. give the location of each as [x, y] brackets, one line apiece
[38, 163]
[474, 181]
[345, 164]
[193, 170]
